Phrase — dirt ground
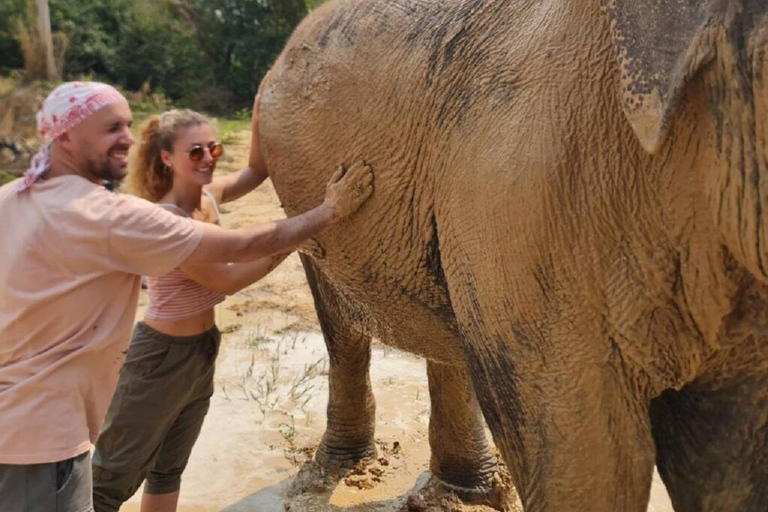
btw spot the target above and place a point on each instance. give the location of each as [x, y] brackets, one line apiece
[268, 411]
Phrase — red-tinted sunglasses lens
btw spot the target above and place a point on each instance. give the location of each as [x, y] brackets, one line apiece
[197, 152]
[216, 149]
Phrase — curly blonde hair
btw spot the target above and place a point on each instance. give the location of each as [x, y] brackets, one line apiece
[148, 176]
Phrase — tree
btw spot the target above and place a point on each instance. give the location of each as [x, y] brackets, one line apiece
[32, 31]
[242, 38]
[208, 54]
[10, 49]
[95, 29]
[46, 39]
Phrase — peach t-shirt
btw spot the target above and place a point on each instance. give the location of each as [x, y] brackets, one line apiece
[71, 256]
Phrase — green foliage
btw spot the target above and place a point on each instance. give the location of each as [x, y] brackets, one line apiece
[10, 50]
[241, 39]
[95, 29]
[205, 54]
[7, 84]
[229, 127]
[6, 178]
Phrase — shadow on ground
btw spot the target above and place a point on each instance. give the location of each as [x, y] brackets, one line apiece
[273, 499]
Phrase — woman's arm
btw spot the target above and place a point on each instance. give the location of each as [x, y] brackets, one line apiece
[236, 185]
[231, 187]
[231, 278]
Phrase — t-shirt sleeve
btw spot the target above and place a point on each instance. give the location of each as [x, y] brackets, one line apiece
[146, 239]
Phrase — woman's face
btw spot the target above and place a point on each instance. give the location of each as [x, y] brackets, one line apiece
[186, 169]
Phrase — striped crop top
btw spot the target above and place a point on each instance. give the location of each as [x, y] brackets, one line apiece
[174, 296]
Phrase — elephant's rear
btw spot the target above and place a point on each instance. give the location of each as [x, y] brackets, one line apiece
[389, 81]
[356, 81]
[327, 97]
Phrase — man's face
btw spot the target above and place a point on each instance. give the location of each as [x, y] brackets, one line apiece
[99, 145]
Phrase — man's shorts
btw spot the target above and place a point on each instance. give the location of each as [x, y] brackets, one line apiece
[64, 486]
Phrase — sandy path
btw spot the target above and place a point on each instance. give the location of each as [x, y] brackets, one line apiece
[268, 410]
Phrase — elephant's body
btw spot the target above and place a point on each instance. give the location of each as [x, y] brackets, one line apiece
[520, 230]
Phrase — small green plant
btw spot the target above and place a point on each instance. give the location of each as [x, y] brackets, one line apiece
[255, 338]
[7, 84]
[224, 391]
[291, 451]
[244, 114]
[301, 390]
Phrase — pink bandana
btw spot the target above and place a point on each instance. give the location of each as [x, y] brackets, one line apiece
[67, 106]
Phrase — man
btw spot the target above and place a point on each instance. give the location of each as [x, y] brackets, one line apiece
[71, 257]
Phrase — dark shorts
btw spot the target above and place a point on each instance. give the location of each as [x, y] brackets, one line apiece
[63, 486]
[155, 416]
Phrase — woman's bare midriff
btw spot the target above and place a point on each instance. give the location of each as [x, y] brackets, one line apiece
[189, 326]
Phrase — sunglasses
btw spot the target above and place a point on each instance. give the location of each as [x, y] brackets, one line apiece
[197, 152]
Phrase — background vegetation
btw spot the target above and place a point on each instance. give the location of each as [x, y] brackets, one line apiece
[205, 54]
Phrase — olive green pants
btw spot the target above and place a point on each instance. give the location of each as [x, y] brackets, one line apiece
[155, 416]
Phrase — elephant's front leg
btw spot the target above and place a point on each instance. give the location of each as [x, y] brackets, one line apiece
[351, 409]
[351, 420]
[461, 456]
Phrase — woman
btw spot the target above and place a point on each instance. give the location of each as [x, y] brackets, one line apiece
[167, 380]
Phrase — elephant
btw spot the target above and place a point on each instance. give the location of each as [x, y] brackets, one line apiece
[567, 224]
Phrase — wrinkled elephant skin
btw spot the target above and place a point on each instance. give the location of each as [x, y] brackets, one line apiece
[568, 215]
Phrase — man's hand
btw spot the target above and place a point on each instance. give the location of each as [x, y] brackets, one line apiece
[347, 191]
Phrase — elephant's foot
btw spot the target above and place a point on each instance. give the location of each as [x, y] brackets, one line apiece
[439, 496]
[491, 486]
[329, 467]
[334, 456]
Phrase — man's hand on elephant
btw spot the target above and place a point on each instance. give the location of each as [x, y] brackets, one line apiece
[347, 191]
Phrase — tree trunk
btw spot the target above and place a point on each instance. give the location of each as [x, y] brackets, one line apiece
[46, 39]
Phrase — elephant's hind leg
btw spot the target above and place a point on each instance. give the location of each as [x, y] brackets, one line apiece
[568, 424]
[461, 456]
[713, 446]
[574, 438]
[351, 423]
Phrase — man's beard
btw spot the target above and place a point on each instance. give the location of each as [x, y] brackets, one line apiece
[105, 169]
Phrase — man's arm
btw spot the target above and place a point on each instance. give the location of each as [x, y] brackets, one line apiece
[345, 193]
[248, 244]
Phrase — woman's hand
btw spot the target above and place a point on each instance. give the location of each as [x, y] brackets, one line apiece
[256, 159]
[234, 186]
[312, 248]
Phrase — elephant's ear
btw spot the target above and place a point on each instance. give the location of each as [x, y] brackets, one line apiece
[660, 45]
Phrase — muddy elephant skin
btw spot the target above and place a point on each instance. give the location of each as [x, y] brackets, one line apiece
[568, 215]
